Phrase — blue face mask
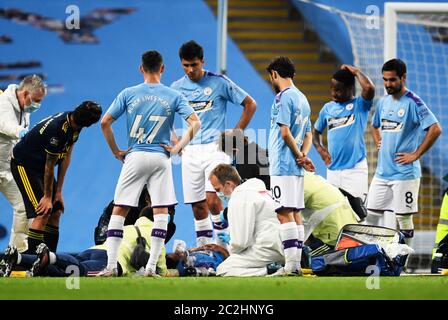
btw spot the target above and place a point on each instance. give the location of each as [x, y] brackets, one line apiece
[225, 199]
[32, 107]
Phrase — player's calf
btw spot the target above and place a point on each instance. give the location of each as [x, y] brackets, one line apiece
[158, 236]
[406, 225]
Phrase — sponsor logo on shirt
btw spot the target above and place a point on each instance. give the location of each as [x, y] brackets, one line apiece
[337, 123]
[201, 106]
[41, 131]
[391, 126]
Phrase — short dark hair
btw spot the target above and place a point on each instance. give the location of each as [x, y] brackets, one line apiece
[283, 65]
[87, 113]
[344, 76]
[396, 65]
[191, 50]
[152, 61]
[172, 260]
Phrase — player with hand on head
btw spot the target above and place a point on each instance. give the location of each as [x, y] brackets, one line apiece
[345, 119]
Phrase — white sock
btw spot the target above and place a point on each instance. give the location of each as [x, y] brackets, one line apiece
[53, 258]
[204, 231]
[158, 236]
[289, 236]
[374, 219]
[406, 225]
[301, 238]
[220, 227]
[114, 238]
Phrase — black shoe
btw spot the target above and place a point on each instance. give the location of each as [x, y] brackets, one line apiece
[42, 261]
[10, 259]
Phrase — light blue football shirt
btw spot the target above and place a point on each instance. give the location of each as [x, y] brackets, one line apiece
[345, 123]
[209, 97]
[401, 122]
[290, 108]
[150, 110]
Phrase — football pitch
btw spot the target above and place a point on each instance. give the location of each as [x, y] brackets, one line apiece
[308, 287]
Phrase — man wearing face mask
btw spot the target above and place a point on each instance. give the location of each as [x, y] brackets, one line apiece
[254, 228]
[16, 104]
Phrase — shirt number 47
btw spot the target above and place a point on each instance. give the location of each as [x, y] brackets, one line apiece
[139, 133]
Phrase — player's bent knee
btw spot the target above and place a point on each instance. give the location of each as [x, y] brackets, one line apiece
[120, 210]
[285, 216]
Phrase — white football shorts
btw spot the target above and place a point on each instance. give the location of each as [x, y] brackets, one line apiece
[150, 168]
[288, 191]
[198, 160]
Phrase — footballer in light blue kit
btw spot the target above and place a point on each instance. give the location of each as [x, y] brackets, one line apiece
[208, 93]
[149, 108]
[398, 122]
[289, 143]
[345, 119]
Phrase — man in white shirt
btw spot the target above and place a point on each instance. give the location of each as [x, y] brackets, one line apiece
[16, 104]
[254, 228]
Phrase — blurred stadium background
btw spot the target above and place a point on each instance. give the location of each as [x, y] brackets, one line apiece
[100, 60]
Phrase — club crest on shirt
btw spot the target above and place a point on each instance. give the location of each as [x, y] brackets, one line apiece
[201, 106]
[349, 106]
[208, 91]
[401, 112]
[54, 141]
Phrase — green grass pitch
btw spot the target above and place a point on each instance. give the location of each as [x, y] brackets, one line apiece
[342, 288]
